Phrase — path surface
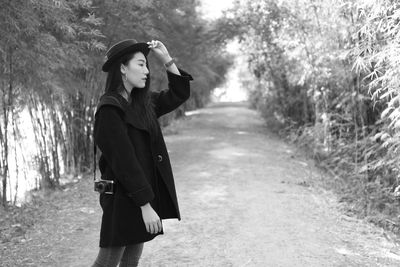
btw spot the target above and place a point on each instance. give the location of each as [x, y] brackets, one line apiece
[245, 200]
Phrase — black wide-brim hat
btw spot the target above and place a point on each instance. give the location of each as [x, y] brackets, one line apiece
[121, 48]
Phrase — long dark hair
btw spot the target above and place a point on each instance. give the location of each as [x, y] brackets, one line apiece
[141, 101]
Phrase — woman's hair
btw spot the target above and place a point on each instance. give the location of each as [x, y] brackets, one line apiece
[141, 101]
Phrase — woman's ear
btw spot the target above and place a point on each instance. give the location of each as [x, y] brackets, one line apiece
[123, 69]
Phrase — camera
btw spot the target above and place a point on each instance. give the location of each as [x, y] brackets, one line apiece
[104, 186]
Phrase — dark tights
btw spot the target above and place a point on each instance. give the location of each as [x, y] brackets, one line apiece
[127, 256]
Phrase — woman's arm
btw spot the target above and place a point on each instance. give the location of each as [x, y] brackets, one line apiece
[162, 54]
[172, 68]
[177, 93]
[178, 90]
[111, 137]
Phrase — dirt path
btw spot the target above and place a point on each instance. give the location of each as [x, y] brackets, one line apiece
[245, 200]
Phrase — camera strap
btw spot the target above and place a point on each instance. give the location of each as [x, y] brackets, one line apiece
[105, 99]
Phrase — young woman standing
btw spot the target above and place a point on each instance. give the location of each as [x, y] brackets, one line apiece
[134, 163]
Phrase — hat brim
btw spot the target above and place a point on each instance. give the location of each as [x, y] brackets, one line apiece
[138, 47]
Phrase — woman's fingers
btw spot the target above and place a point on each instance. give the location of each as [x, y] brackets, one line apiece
[156, 230]
[154, 227]
[153, 43]
[159, 225]
[152, 221]
[151, 228]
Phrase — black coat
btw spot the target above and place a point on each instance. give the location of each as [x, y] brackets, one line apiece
[140, 168]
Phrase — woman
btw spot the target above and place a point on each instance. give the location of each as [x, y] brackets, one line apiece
[134, 156]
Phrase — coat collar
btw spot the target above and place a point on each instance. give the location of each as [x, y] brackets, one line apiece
[130, 116]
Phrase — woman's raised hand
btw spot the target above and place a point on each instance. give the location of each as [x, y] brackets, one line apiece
[151, 219]
[159, 50]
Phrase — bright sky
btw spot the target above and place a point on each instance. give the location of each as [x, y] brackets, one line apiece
[212, 9]
[232, 89]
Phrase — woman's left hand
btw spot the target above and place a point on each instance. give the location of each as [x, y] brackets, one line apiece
[160, 50]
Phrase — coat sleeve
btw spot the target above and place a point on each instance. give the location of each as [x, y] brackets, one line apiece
[177, 93]
[111, 137]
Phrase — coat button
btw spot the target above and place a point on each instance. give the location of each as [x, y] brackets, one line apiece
[159, 158]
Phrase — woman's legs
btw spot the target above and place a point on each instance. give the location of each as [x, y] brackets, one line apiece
[108, 257]
[127, 256]
[131, 255]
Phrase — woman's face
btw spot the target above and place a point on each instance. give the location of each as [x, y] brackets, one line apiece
[135, 71]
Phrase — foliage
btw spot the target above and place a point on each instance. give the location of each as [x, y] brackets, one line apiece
[51, 54]
[326, 75]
